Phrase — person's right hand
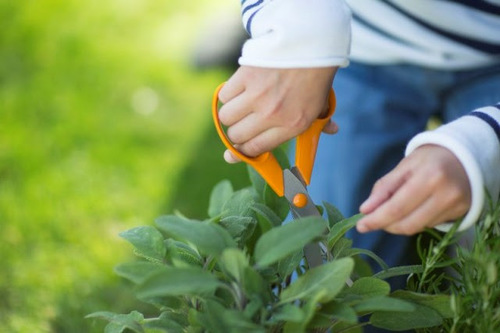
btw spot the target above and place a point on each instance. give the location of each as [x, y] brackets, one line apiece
[265, 107]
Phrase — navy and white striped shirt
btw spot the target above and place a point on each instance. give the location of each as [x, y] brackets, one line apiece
[449, 34]
[440, 34]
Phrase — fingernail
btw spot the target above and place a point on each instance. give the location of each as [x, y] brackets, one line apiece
[362, 228]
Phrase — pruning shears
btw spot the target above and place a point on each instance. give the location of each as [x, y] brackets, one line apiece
[290, 183]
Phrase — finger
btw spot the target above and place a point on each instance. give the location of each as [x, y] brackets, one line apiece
[383, 189]
[232, 88]
[230, 157]
[426, 215]
[331, 127]
[247, 128]
[265, 141]
[235, 110]
[406, 198]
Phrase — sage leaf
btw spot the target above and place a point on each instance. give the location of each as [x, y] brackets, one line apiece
[147, 242]
[334, 215]
[328, 279]
[240, 204]
[239, 227]
[308, 310]
[289, 264]
[368, 253]
[137, 272]
[441, 303]
[284, 240]
[267, 218]
[220, 194]
[183, 281]
[217, 318]
[288, 312]
[171, 322]
[367, 287]
[120, 322]
[399, 270]
[180, 254]
[254, 285]
[339, 311]
[339, 229]
[421, 317]
[383, 303]
[279, 205]
[234, 262]
[209, 238]
[258, 183]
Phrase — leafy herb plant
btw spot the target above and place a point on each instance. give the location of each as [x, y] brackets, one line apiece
[242, 270]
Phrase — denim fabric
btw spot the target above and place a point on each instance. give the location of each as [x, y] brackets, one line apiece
[379, 109]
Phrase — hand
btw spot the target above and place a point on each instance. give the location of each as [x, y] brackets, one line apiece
[265, 107]
[427, 188]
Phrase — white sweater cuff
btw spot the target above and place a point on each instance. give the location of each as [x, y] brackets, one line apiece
[296, 33]
[476, 145]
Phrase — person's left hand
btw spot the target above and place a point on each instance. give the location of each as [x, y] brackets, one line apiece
[427, 188]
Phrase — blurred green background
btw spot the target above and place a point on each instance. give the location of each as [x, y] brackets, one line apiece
[104, 125]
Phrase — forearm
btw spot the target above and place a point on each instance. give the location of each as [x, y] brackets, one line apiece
[475, 141]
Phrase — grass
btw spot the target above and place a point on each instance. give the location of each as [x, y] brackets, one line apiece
[103, 126]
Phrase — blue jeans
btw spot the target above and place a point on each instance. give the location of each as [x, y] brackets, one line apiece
[379, 109]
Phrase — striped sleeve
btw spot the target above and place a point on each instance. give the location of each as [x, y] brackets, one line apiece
[296, 33]
[475, 141]
[446, 34]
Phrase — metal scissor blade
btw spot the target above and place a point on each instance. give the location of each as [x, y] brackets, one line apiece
[293, 186]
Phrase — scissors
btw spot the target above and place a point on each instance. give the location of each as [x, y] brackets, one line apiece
[292, 182]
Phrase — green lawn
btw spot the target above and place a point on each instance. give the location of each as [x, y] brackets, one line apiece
[103, 127]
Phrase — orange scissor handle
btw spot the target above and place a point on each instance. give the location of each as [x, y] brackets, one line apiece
[266, 164]
[307, 142]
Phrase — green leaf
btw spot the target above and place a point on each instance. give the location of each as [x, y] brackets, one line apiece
[309, 310]
[258, 183]
[421, 317]
[147, 241]
[240, 204]
[328, 278]
[367, 287]
[342, 248]
[383, 303]
[138, 271]
[178, 282]
[219, 319]
[279, 205]
[120, 322]
[267, 218]
[282, 241]
[339, 311]
[287, 265]
[234, 262]
[254, 284]
[399, 270]
[209, 238]
[253, 307]
[181, 255]
[171, 322]
[239, 227]
[221, 193]
[440, 303]
[288, 312]
[368, 253]
[334, 215]
[339, 229]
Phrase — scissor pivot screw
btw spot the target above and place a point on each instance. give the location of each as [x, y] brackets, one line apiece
[300, 200]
